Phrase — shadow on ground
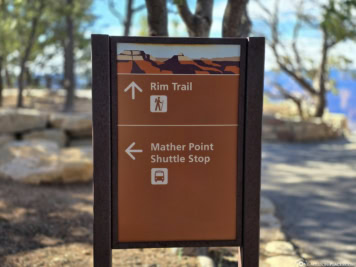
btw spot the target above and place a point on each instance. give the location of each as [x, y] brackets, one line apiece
[33, 217]
[313, 187]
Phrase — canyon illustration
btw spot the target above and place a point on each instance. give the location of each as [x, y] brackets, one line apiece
[137, 61]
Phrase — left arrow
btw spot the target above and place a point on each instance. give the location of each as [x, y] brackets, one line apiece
[129, 150]
[133, 86]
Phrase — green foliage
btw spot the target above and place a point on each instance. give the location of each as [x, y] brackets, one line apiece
[143, 26]
[15, 28]
[339, 20]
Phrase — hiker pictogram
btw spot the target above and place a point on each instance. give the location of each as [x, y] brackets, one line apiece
[158, 103]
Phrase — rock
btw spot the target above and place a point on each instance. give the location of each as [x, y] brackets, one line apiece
[194, 251]
[55, 135]
[20, 120]
[78, 125]
[205, 261]
[275, 248]
[56, 119]
[76, 164]
[269, 221]
[80, 142]
[41, 161]
[283, 261]
[175, 251]
[266, 206]
[31, 161]
[5, 138]
[276, 128]
[271, 234]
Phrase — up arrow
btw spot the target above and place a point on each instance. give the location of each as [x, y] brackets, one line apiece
[133, 86]
[129, 151]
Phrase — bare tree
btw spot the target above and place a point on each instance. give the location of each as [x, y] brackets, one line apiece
[130, 12]
[199, 23]
[236, 22]
[157, 17]
[313, 79]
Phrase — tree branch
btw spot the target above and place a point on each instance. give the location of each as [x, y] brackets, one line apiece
[115, 12]
[287, 95]
[284, 63]
[198, 24]
[139, 8]
[185, 13]
[296, 30]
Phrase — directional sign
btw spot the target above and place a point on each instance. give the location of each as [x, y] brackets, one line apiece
[177, 143]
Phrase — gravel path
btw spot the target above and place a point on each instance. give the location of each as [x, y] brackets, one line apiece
[314, 189]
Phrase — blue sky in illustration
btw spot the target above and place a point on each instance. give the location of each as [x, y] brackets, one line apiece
[191, 51]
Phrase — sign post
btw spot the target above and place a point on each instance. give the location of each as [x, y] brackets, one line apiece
[177, 143]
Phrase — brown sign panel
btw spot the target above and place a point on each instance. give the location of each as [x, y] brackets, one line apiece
[178, 125]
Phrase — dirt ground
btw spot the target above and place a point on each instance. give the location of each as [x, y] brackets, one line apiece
[51, 225]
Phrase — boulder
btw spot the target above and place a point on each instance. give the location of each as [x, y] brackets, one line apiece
[5, 138]
[20, 120]
[41, 161]
[276, 128]
[56, 135]
[284, 261]
[31, 161]
[80, 142]
[275, 248]
[76, 164]
[205, 261]
[77, 125]
[271, 234]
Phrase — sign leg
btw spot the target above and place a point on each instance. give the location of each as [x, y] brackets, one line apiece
[102, 150]
[252, 177]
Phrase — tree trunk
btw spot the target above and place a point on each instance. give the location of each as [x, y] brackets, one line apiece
[29, 81]
[8, 79]
[128, 20]
[236, 22]
[321, 96]
[48, 82]
[1, 80]
[27, 53]
[198, 24]
[320, 106]
[69, 76]
[23, 61]
[157, 17]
